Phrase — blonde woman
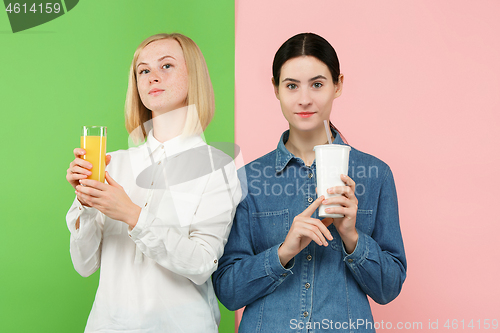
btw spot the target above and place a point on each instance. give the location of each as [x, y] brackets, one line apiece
[158, 227]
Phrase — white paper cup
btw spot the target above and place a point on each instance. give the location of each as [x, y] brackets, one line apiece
[331, 161]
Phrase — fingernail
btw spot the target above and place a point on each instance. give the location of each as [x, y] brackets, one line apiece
[324, 202]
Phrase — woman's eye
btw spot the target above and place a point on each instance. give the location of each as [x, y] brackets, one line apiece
[292, 86]
[144, 71]
[317, 85]
[167, 66]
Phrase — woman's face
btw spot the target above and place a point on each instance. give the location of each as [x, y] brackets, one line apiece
[306, 92]
[162, 77]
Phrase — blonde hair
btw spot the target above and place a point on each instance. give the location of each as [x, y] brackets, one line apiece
[200, 96]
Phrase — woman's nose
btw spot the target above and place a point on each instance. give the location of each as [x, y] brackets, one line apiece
[305, 98]
[154, 77]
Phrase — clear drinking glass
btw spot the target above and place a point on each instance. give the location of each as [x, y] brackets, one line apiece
[93, 140]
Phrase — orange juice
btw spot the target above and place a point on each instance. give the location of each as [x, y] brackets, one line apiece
[95, 146]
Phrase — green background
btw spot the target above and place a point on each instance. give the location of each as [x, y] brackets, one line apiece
[56, 77]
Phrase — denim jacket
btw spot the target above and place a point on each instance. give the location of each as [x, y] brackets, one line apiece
[322, 288]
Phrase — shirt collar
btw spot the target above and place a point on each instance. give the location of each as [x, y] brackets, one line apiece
[172, 147]
[283, 156]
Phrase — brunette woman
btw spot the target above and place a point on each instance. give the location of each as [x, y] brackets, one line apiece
[291, 270]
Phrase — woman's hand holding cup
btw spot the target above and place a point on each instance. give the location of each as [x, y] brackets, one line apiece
[347, 205]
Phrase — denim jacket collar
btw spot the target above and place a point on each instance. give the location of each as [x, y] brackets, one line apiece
[283, 155]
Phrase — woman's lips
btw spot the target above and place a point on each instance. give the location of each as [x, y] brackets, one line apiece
[155, 92]
[305, 114]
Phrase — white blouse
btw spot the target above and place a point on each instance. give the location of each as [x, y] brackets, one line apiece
[156, 277]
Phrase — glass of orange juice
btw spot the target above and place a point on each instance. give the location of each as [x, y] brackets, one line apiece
[93, 140]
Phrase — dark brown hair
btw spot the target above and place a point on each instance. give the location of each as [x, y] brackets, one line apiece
[308, 44]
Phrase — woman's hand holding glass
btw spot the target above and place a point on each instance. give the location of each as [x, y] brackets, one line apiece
[110, 199]
[80, 169]
[304, 229]
[348, 206]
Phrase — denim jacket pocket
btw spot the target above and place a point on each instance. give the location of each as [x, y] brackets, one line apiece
[270, 228]
[364, 221]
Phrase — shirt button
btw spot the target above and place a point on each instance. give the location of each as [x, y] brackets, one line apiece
[152, 183]
[308, 285]
[311, 175]
[159, 163]
[161, 147]
[283, 275]
[145, 204]
[350, 260]
[306, 313]
[309, 257]
[310, 200]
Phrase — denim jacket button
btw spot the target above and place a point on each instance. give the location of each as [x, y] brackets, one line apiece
[310, 175]
[350, 260]
[310, 199]
[309, 257]
[307, 285]
[283, 275]
[306, 313]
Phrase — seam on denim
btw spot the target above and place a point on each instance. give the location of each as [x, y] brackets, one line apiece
[360, 263]
[366, 251]
[270, 213]
[355, 267]
[312, 283]
[347, 293]
[267, 264]
[386, 174]
[261, 311]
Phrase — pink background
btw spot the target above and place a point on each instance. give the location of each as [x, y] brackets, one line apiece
[421, 92]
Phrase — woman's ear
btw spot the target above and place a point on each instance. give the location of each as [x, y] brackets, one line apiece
[276, 91]
[339, 85]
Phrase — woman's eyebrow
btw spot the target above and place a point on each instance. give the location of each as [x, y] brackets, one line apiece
[317, 77]
[162, 58]
[167, 56]
[290, 79]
